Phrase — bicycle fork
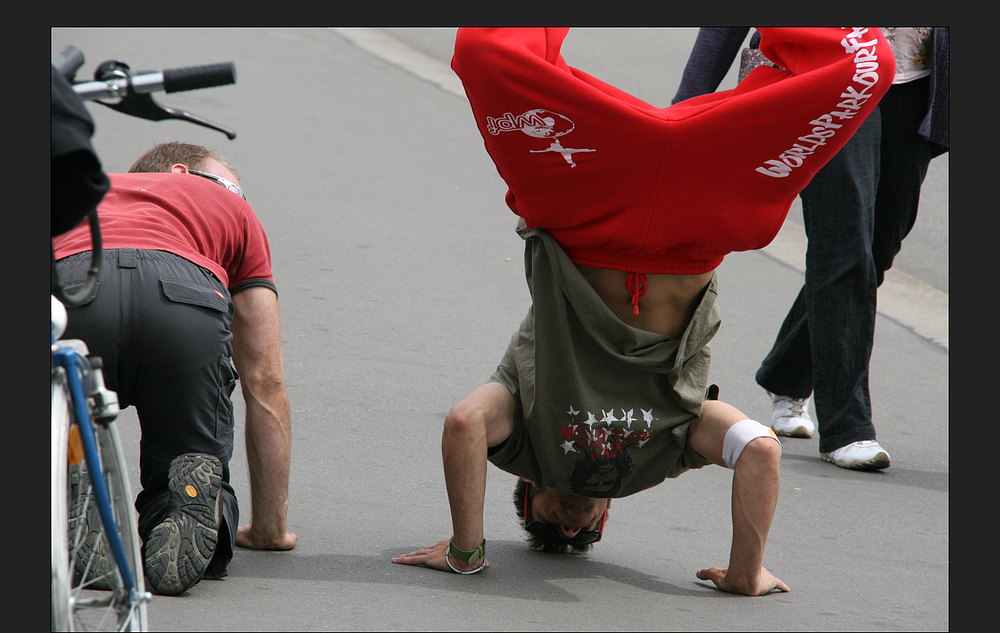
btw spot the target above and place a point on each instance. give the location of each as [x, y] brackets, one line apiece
[102, 404]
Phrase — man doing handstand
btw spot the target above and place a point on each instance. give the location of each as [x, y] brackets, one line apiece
[626, 211]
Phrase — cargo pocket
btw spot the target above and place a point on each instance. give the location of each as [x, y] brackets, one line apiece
[225, 411]
[192, 293]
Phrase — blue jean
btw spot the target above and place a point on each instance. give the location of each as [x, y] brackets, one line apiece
[856, 212]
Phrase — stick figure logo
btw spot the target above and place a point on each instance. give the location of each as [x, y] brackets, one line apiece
[538, 123]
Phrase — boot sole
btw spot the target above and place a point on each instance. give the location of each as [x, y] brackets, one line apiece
[178, 550]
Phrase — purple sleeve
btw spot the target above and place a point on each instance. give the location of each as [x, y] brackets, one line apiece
[712, 55]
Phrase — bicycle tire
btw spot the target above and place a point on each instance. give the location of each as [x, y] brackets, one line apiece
[88, 592]
[58, 479]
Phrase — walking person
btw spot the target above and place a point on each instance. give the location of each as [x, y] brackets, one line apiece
[856, 211]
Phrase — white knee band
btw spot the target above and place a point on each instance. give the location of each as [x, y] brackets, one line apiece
[739, 435]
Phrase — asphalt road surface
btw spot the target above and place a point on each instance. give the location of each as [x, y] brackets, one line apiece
[400, 281]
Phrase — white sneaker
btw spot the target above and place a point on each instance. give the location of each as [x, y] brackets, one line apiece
[791, 416]
[863, 455]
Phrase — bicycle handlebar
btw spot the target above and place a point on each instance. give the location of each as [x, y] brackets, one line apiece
[133, 91]
[195, 77]
[68, 62]
[118, 83]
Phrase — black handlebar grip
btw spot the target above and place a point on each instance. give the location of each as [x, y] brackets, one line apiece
[195, 77]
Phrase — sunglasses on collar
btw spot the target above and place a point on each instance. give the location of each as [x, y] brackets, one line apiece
[551, 533]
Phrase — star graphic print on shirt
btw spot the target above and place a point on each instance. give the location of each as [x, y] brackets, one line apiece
[602, 446]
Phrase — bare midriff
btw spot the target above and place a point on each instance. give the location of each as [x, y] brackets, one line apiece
[666, 304]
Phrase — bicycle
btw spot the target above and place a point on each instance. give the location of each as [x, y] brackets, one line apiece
[97, 569]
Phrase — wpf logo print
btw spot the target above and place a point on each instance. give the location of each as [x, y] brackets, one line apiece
[538, 123]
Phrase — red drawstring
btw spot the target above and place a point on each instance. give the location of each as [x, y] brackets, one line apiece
[636, 284]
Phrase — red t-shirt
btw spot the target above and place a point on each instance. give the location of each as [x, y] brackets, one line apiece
[183, 214]
[622, 184]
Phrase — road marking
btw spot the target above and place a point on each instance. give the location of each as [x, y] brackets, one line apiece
[905, 299]
[395, 52]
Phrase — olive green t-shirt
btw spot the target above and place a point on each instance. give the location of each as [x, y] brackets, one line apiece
[603, 409]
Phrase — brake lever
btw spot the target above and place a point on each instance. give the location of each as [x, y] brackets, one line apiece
[144, 106]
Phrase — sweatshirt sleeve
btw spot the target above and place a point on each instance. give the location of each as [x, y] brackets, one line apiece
[779, 126]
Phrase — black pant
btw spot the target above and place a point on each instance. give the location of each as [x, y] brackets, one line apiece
[161, 325]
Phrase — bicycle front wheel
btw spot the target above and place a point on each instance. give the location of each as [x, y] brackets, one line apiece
[58, 479]
[88, 587]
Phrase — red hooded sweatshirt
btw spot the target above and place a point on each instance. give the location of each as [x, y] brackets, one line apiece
[622, 184]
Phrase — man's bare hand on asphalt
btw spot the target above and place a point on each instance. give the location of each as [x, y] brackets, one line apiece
[766, 583]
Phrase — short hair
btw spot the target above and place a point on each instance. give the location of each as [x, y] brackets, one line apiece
[165, 155]
[536, 542]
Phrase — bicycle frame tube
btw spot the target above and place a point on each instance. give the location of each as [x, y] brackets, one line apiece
[73, 363]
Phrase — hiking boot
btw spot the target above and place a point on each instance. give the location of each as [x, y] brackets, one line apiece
[863, 455]
[791, 416]
[178, 550]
